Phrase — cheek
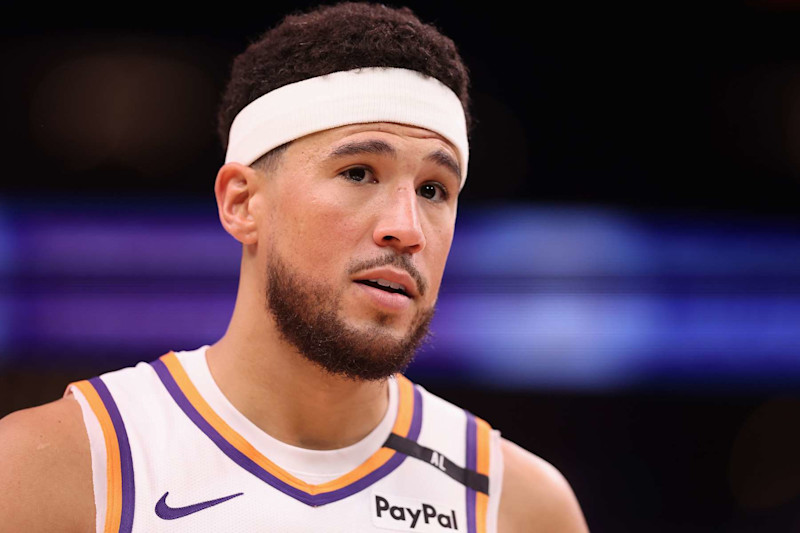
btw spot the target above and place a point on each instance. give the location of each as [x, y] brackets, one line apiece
[438, 247]
[439, 235]
[318, 232]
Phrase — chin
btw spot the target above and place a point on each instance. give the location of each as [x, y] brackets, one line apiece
[384, 325]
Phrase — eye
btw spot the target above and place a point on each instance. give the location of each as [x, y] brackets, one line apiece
[435, 192]
[358, 174]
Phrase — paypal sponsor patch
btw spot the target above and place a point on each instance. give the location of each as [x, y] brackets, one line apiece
[407, 514]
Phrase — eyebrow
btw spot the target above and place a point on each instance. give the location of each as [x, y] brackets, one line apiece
[443, 159]
[363, 147]
[377, 147]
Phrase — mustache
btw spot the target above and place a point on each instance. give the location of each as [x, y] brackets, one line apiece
[402, 262]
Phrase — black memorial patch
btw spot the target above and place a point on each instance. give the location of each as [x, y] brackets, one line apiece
[465, 476]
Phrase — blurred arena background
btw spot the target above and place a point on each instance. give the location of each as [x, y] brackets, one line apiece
[623, 293]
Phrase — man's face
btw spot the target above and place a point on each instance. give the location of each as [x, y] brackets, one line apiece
[354, 230]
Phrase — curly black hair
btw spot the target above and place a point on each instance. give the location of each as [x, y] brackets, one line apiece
[336, 38]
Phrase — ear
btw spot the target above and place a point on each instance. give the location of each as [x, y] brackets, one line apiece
[234, 188]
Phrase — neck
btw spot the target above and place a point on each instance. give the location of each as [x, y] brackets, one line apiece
[289, 397]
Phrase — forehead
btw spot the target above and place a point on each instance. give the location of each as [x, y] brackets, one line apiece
[321, 143]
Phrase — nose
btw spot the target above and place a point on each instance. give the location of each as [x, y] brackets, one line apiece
[399, 224]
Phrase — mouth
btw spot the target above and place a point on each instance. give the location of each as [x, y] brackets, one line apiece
[385, 285]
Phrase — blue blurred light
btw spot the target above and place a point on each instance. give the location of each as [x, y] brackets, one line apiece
[533, 296]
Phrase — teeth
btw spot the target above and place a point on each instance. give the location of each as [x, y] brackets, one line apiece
[384, 283]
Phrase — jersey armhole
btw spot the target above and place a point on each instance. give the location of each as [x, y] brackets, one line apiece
[495, 480]
[97, 446]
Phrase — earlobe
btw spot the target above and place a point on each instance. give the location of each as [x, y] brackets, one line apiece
[234, 189]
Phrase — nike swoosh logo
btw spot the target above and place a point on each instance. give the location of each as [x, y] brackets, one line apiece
[163, 510]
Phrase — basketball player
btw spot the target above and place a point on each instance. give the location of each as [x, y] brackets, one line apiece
[346, 137]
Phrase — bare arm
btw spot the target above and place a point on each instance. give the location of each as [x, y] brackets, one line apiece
[535, 496]
[45, 470]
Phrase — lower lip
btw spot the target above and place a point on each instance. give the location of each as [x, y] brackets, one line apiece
[391, 301]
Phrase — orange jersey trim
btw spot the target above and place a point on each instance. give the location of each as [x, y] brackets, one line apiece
[482, 500]
[113, 463]
[379, 458]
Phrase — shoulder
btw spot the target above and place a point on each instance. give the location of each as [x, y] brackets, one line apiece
[535, 495]
[45, 463]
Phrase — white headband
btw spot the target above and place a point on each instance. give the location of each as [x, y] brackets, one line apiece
[351, 97]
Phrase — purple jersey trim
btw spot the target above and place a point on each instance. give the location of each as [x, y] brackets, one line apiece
[314, 500]
[125, 459]
[472, 463]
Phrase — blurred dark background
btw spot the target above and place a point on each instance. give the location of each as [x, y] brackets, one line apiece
[624, 288]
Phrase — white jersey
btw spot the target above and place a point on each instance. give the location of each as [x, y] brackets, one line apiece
[171, 453]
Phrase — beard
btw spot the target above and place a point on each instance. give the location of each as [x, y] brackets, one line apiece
[308, 317]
